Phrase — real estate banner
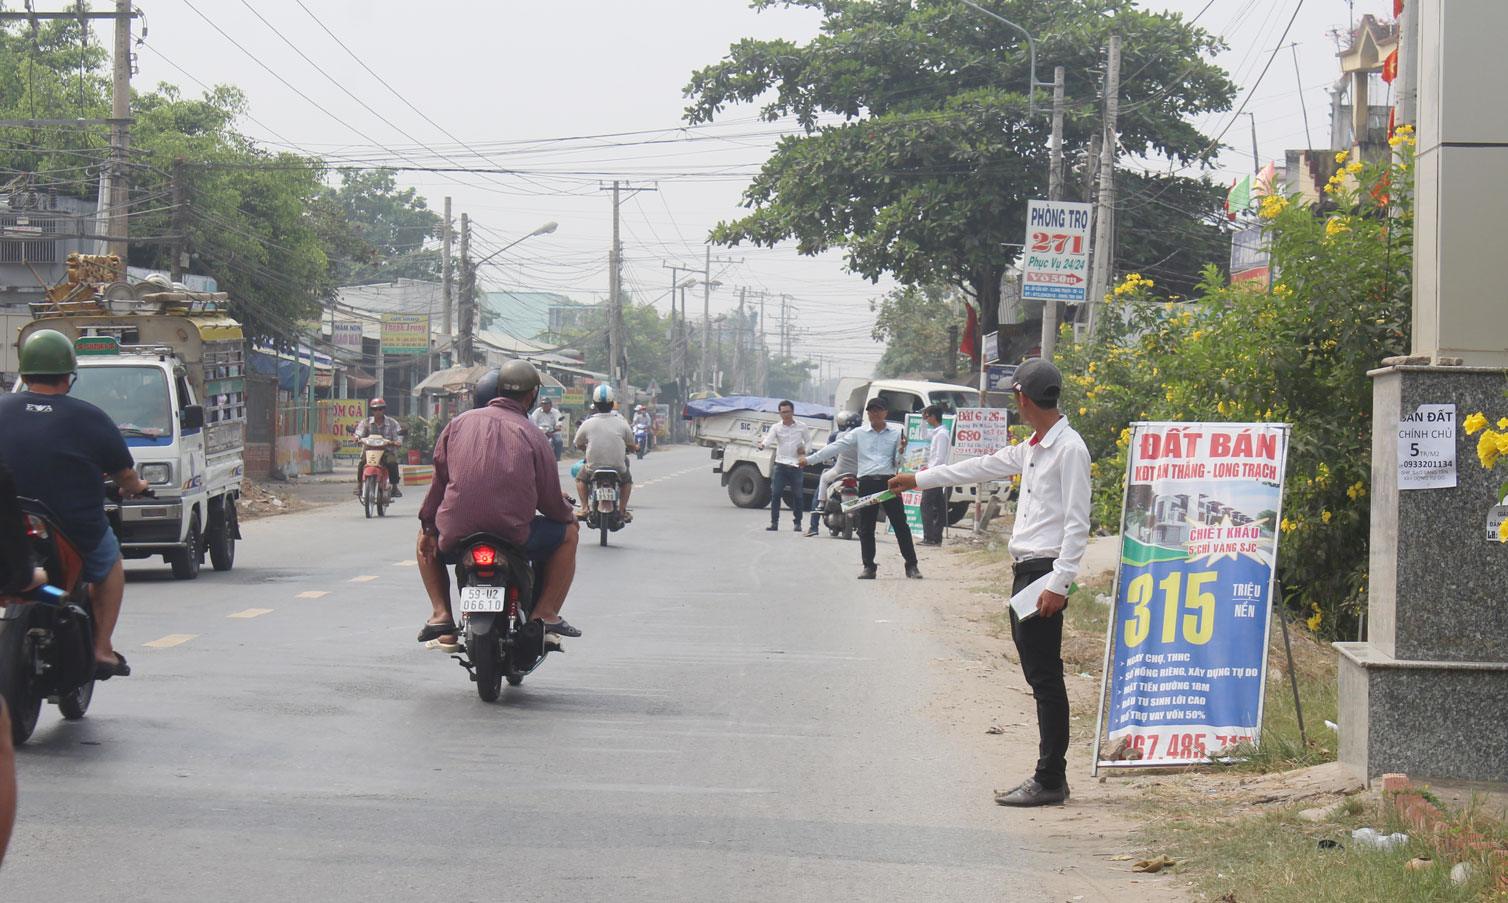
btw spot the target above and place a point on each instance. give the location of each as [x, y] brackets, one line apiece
[918, 447]
[1187, 648]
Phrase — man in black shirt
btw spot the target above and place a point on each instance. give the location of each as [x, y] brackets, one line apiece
[59, 450]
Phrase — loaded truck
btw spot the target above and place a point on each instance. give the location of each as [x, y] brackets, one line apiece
[732, 427]
[168, 367]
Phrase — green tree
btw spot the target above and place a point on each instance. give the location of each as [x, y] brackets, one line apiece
[917, 156]
[913, 323]
[1170, 228]
[787, 375]
[1297, 352]
[389, 226]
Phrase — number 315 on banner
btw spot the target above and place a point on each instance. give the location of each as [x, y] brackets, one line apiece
[1198, 623]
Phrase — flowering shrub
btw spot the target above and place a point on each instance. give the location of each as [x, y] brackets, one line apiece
[1297, 351]
[1491, 447]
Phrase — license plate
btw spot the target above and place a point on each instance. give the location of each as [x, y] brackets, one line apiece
[607, 495]
[483, 598]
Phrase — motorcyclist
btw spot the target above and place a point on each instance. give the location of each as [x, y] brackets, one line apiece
[378, 423]
[607, 439]
[495, 473]
[59, 449]
[549, 420]
[643, 421]
[846, 462]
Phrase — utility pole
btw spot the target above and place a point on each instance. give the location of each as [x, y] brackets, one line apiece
[738, 344]
[445, 282]
[704, 375]
[1055, 192]
[120, 136]
[1256, 160]
[1104, 232]
[180, 220]
[615, 300]
[468, 294]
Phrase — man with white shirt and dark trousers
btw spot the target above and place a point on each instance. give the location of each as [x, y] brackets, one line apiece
[791, 440]
[935, 501]
[880, 444]
[1051, 532]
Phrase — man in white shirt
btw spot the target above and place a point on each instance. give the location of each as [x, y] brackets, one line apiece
[1051, 532]
[935, 500]
[791, 441]
[549, 421]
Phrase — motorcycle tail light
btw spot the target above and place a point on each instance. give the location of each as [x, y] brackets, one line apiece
[484, 556]
[850, 484]
[36, 527]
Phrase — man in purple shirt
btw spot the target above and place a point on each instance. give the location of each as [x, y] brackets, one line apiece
[493, 470]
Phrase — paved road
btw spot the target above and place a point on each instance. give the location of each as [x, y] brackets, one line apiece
[740, 722]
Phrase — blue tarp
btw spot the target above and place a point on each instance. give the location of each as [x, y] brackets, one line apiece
[708, 407]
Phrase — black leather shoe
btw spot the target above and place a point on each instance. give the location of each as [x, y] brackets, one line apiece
[867, 574]
[1031, 793]
[913, 572]
[771, 528]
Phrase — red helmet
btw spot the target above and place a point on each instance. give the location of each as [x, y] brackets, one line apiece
[379, 404]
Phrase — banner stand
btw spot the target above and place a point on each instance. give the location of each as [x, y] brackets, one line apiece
[1293, 674]
[1115, 594]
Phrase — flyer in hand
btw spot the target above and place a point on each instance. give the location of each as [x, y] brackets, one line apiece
[864, 501]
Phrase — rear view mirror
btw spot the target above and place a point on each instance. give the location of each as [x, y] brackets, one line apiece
[191, 417]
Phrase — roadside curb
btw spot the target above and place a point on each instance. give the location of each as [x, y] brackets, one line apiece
[1429, 820]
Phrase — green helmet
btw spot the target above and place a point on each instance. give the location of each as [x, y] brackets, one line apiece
[517, 377]
[48, 352]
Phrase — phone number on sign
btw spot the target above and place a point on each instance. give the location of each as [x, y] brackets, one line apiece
[1183, 746]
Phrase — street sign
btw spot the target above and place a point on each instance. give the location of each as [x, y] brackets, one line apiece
[1056, 263]
[654, 388]
[997, 377]
[991, 347]
[346, 334]
[405, 333]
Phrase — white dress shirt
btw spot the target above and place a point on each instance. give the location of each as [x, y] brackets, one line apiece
[1052, 517]
[789, 441]
[942, 443]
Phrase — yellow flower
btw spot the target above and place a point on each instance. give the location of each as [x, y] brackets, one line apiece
[1083, 411]
[1488, 450]
[1475, 422]
[1314, 620]
[1503, 423]
[1357, 490]
[1272, 205]
[1325, 516]
[1503, 531]
[1353, 169]
[1287, 525]
[1342, 157]
[1404, 129]
[1502, 441]
[1336, 225]
[1220, 407]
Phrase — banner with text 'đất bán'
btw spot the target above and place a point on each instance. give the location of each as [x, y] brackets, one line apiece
[1189, 629]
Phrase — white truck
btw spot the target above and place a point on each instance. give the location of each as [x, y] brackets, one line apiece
[912, 396]
[170, 373]
[732, 428]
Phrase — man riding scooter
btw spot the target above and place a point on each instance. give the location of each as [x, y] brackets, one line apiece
[380, 424]
[644, 426]
[607, 439]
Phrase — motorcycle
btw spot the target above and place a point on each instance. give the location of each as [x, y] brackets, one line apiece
[602, 511]
[374, 478]
[47, 645]
[498, 589]
[843, 488]
[641, 438]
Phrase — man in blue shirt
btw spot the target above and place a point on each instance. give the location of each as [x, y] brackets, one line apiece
[880, 445]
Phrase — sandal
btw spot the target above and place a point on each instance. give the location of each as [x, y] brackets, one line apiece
[561, 628]
[435, 631]
[105, 671]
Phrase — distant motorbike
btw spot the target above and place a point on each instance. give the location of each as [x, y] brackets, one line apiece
[842, 488]
[498, 588]
[47, 648]
[374, 478]
[603, 512]
[641, 438]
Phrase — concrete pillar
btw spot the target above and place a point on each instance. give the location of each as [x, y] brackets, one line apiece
[1427, 693]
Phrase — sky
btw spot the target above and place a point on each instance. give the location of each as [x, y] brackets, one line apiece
[457, 83]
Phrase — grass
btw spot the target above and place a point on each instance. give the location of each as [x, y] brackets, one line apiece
[1276, 857]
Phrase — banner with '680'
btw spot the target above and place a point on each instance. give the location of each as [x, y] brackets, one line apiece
[1189, 631]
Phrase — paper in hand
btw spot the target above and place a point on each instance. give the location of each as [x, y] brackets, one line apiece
[1024, 603]
[865, 501]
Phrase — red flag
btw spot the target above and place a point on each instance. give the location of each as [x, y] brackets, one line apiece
[1390, 67]
[1397, 8]
[969, 344]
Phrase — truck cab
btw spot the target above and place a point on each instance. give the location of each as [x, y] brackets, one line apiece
[173, 385]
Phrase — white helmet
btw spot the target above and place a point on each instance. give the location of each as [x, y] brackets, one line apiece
[603, 394]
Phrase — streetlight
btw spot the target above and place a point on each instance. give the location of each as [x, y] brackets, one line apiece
[546, 229]
[1031, 44]
[468, 296]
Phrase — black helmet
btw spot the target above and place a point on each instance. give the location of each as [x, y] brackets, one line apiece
[847, 420]
[517, 377]
[486, 389]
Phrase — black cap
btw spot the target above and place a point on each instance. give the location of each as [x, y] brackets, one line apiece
[877, 403]
[1040, 381]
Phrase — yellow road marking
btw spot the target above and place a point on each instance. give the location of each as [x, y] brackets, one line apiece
[405, 564]
[312, 594]
[172, 639]
[251, 613]
[364, 578]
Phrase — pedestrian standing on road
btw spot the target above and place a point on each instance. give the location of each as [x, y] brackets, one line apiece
[1051, 532]
[791, 441]
[549, 421]
[880, 444]
[935, 501]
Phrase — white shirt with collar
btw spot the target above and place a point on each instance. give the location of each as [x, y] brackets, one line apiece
[789, 441]
[942, 443]
[1052, 518]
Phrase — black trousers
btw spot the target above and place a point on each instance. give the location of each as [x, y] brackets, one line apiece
[894, 510]
[1039, 645]
[934, 513]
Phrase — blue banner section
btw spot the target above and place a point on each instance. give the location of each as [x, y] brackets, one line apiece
[1053, 293]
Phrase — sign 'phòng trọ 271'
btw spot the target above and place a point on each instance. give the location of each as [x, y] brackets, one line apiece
[1194, 594]
[1055, 265]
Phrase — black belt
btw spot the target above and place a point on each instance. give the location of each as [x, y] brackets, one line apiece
[1033, 566]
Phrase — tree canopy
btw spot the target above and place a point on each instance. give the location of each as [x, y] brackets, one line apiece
[916, 153]
[913, 323]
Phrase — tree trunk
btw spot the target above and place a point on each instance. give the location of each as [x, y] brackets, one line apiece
[985, 284]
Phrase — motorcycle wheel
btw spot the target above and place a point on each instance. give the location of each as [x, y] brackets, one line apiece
[848, 526]
[75, 703]
[487, 660]
[603, 527]
[382, 502]
[18, 684]
[368, 494]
